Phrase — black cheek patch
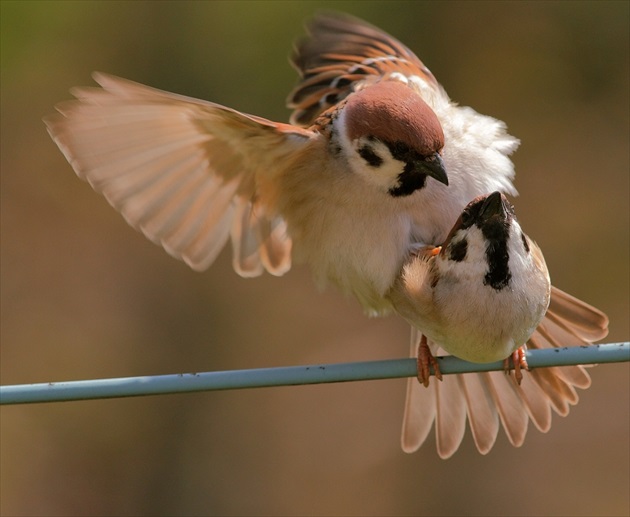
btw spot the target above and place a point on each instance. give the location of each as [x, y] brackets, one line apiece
[372, 159]
[408, 182]
[458, 250]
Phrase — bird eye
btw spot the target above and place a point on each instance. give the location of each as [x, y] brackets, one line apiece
[368, 154]
[466, 217]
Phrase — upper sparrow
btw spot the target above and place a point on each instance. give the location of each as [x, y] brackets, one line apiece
[386, 157]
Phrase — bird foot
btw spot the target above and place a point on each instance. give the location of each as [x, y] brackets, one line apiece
[425, 362]
[518, 361]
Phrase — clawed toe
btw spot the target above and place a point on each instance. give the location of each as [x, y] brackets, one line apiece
[426, 360]
[518, 361]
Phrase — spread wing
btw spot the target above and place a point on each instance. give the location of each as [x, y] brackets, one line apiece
[182, 171]
[340, 54]
[492, 399]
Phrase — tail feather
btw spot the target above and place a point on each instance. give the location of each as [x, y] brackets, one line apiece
[420, 406]
[482, 413]
[490, 397]
[509, 406]
[450, 417]
[586, 321]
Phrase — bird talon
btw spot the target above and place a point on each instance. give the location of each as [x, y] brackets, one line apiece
[426, 360]
[517, 361]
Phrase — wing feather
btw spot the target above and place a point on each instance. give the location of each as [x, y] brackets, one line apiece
[180, 170]
[341, 54]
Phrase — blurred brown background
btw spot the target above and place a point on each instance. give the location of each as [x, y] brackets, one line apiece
[84, 296]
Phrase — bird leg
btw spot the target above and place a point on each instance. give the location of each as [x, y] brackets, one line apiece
[518, 361]
[425, 362]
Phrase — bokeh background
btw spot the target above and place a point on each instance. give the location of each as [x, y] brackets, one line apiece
[84, 296]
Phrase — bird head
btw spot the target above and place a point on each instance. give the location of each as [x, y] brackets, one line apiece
[391, 138]
[487, 241]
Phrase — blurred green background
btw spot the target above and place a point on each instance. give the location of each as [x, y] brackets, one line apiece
[84, 296]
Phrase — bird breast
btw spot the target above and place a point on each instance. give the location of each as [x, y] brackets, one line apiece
[350, 234]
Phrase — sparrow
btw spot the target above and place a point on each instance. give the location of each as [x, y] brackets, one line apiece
[376, 163]
[484, 296]
[375, 152]
[486, 290]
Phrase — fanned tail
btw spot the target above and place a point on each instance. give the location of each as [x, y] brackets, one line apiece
[489, 398]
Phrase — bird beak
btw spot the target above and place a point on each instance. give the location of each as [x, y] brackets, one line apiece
[495, 205]
[433, 166]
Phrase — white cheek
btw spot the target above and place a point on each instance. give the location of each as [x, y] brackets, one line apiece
[385, 176]
[475, 265]
[520, 260]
